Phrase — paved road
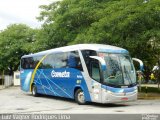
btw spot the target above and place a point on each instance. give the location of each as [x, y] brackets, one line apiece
[13, 100]
[1, 87]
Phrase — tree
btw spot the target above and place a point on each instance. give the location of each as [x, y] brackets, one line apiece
[125, 23]
[15, 41]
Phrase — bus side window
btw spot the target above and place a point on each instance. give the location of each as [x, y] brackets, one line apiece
[27, 63]
[48, 62]
[95, 70]
[23, 63]
[73, 60]
[87, 59]
[59, 60]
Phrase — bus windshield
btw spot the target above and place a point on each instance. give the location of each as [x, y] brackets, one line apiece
[120, 70]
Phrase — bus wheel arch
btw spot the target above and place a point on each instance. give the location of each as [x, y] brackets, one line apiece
[79, 96]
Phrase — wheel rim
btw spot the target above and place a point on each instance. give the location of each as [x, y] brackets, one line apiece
[81, 97]
[34, 90]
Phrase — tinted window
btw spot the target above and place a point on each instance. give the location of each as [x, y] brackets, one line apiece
[87, 59]
[60, 60]
[27, 63]
[73, 60]
[63, 60]
[95, 70]
[54, 60]
[30, 63]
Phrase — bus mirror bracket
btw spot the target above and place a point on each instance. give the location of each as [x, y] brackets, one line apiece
[102, 62]
[140, 62]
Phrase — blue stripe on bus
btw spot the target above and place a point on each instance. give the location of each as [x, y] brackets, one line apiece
[56, 86]
[118, 90]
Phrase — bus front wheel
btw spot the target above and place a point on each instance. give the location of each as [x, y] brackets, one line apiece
[79, 97]
[34, 91]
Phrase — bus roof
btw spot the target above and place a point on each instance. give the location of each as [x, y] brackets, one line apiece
[96, 47]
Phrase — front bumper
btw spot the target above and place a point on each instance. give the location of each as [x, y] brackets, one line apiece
[110, 97]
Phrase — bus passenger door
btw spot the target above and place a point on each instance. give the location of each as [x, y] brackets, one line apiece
[95, 84]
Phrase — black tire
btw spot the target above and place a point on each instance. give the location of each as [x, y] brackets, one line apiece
[79, 97]
[34, 91]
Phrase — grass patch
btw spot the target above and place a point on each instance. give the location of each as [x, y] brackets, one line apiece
[149, 90]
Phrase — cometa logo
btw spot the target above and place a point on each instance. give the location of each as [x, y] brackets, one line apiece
[60, 74]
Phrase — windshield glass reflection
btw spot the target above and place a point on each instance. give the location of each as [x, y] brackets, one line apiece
[120, 70]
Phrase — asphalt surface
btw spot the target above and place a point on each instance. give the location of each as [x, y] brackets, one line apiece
[13, 100]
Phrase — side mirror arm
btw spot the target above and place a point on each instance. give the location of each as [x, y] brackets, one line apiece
[101, 60]
[140, 62]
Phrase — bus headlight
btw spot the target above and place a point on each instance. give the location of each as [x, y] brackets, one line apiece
[135, 90]
[109, 92]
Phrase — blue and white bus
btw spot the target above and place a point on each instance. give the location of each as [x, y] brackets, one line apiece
[84, 72]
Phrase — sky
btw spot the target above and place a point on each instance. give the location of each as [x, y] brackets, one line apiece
[21, 11]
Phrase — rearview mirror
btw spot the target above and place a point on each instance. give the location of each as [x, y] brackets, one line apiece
[140, 62]
[102, 62]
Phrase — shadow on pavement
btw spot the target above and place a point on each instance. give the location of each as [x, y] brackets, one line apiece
[88, 103]
[54, 97]
[108, 105]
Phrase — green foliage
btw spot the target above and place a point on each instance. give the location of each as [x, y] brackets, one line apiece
[150, 90]
[15, 41]
[130, 24]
